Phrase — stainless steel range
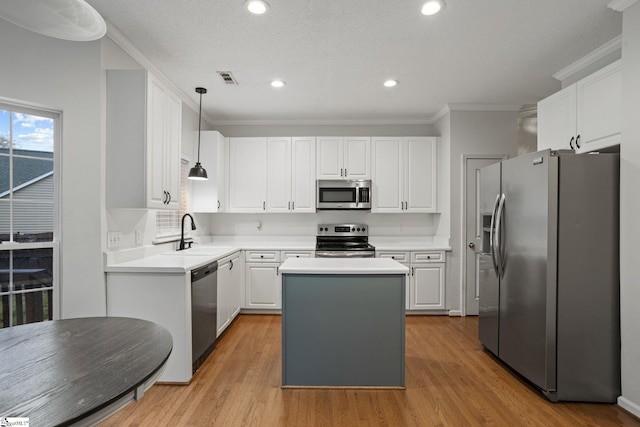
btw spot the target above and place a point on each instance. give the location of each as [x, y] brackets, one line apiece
[343, 241]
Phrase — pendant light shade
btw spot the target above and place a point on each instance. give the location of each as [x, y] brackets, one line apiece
[197, 172]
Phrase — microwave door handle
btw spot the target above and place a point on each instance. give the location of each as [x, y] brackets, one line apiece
[357, 196]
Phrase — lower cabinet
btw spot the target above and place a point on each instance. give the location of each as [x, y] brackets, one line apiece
[262, 280]
[425, 287]
[229, 290]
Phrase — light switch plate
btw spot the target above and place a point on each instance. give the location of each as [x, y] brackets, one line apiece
[113, 239]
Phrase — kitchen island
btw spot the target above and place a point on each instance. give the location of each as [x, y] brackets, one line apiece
[343, 322]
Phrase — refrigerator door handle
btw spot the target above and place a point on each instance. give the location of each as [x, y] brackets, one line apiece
[498, 241]
[492, 248]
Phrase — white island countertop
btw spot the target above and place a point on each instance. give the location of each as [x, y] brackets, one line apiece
[342, 266]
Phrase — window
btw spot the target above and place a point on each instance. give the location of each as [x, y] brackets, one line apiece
[28, 214]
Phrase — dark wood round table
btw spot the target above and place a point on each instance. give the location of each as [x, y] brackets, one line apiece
[78, 371]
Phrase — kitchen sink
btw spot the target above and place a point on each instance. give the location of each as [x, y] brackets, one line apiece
[201, 251]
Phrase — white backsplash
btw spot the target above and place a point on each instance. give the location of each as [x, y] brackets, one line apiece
[306, 224]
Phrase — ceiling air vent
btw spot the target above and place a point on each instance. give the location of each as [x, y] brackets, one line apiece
[227, 77]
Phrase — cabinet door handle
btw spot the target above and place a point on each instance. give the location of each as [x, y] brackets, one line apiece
[571, 142]
[264, 206]
[230, 264]
[218, 204]
[293, 206]
[277, 270]
[166, 197]
[578, 141]
[345, 172]
[289, 206]
[169, 201]
[341, 172]
[412, 269]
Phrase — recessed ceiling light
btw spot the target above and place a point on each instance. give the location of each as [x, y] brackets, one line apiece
[257, 7]
[431, 7]
[277, 83]
[390, 83]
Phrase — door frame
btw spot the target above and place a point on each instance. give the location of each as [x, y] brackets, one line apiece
[463, 229]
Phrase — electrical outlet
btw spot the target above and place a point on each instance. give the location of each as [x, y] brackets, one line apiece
[138, 237]
[113, 239]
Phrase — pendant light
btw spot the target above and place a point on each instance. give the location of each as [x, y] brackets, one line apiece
[198, 172]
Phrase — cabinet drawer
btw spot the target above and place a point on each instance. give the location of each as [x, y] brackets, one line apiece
[262, 256]
[296, 254]
[434, 256]
[399, 256]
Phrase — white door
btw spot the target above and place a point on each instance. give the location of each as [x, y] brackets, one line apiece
[303, 174]
[156, 191]
[473, 229]
[428, 286]
[329, 158]
[357, 157]
[262, 288]
[247, 174]
[420, 174]
[278, 174]
[387, 177]
[557, 119]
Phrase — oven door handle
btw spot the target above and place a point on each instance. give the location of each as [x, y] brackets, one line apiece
[345, 254]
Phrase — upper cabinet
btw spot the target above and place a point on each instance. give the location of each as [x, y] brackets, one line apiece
[247, 174]
[291, 174]
[404, 174]
[343, 158]
[143, 129]
[272, 174]
[584, 116]
[209, 195]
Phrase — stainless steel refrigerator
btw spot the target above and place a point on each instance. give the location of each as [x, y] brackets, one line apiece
[549, 271]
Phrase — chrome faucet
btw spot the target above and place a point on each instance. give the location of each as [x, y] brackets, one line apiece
[193, 227]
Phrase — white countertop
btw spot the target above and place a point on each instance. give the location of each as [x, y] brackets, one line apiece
[342, 266]
[149, 260]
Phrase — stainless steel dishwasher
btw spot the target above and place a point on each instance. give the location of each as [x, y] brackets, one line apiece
[204, 306]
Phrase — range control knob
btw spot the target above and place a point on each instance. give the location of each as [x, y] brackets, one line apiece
[353, 229]
[363, 229]
[358, 228]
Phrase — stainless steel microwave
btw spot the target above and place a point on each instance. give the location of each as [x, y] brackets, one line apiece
[347, 194]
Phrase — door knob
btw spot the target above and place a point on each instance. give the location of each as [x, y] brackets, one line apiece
[472, 245]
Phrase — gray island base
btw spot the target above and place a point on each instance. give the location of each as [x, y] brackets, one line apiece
[343, 323]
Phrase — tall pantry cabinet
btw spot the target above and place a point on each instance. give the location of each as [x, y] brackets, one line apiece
[144, 120]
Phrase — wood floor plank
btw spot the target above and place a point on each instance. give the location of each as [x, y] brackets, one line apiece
[450, 381]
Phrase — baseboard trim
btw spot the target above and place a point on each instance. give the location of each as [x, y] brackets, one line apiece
[455, 313]
[629, 406]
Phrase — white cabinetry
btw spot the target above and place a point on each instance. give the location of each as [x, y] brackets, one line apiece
[162, 298]
[404, 174]
[247, 174]
[343, 157]
[262, 280]
[291, 174]
[427, 280]
[584, 116]
[229, 290]
[143, 128]
[272, 174]
[209, 195]
[425, 287]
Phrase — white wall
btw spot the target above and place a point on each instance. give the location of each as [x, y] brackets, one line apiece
[629, 208]
[471, 132]
[66, 76]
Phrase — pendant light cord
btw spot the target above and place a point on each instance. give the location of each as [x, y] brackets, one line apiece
[199, 124]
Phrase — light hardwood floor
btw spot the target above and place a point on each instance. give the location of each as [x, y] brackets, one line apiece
[451, 381]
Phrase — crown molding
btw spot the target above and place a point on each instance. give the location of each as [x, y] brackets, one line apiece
[620, 5]
[125, 44]
[327, 122]
[591, 58]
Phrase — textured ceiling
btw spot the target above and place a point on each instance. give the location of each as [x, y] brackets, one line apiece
[335, 54]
